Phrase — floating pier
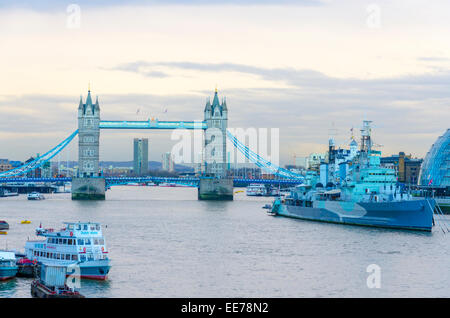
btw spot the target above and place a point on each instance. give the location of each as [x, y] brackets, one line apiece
[52, 283]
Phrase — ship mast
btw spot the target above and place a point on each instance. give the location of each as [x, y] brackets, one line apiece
[366, 141]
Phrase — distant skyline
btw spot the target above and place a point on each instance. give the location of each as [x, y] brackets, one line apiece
[302, 66]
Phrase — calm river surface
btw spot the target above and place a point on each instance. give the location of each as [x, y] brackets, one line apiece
[165, 243]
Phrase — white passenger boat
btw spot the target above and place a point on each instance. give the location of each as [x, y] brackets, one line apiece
[256, 189]
[8, 193]
[35, 196]
[79, 243]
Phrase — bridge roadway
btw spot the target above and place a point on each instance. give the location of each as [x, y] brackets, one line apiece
[111, 181]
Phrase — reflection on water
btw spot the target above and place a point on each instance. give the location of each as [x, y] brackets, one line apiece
[164, 243]
[7, 285]
[95, 288]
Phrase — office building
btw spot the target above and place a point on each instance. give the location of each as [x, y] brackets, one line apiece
[167, 162]
[140, 156]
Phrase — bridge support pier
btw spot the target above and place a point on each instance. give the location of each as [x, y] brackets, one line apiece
[211, 188]
[88, 189]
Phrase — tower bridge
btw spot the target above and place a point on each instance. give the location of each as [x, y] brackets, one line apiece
[213, 184]
[89, 183]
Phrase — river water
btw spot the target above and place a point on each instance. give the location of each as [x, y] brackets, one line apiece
[164, 243]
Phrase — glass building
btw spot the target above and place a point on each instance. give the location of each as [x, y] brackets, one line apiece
[436, 166]
[140, 156]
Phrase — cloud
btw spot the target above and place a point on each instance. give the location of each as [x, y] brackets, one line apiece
[409, 112]
[411, 87]
[413, 108]
[51, 5]
[433, 59]
[291, 76]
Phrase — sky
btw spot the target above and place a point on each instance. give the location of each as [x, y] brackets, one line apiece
[309, 68]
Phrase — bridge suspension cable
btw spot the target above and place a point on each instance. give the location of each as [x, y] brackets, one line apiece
[261, 162]
[39, 161]
[249, 154]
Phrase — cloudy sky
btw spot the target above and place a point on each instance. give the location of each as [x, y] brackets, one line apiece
[306, 67]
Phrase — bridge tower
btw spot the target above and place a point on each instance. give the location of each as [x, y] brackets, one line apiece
[215, 142]
[88, 185]
[214, 184]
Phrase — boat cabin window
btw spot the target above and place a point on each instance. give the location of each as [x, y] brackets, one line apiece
[78, 227]
[82, 258]
[85, 227]
[97, 227]
[87, 241]
[92, 227]
[74, 257]
[80, 242]
[70, 227]
[64, 241]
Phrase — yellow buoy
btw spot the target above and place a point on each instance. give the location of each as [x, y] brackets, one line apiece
[3, 232]
[25, 222]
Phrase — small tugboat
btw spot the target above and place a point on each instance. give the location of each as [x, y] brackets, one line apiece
[80, 243]
[35, 196]
[8, 267]
[4, 225]
[52, 283]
